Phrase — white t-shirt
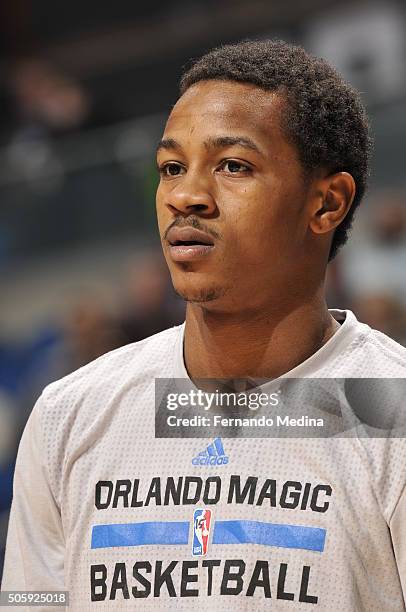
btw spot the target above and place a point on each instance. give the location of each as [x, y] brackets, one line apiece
[110, 513]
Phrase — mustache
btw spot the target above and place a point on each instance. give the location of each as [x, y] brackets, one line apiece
[192, 221]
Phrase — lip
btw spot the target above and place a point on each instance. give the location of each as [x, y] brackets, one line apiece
[188, 234]
[189, 252]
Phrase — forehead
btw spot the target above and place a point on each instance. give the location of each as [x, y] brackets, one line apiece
[210, 105]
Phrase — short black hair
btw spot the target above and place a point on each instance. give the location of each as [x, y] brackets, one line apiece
[325, 118]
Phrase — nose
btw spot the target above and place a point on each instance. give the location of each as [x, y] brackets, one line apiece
[192, 195]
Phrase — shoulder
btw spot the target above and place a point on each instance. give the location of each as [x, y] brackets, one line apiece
[73, 412]
[87, 394]
[364, 352]
[385, 358]
[147, 359]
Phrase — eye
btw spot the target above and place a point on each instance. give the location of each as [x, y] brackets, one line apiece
[232, 166]
[171, 169]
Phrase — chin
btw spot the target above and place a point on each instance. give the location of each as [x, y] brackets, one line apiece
[198, 294]
[199, 297]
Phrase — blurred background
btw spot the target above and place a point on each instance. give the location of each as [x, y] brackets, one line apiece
[84, 92]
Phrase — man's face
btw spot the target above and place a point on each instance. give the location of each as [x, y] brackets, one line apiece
[228, 170]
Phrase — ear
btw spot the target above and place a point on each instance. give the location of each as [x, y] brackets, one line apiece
[335, 195]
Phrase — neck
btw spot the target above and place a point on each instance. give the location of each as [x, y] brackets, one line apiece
[263, 344]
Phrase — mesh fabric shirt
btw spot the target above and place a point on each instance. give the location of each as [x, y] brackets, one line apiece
[107, 511]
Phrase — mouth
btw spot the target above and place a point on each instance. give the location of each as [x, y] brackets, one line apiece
[188, 243]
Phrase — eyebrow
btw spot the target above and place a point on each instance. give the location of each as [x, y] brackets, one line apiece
[221, 142]
[218, 142]
[168, 144]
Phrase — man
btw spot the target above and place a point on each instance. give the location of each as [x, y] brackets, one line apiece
[262, 162]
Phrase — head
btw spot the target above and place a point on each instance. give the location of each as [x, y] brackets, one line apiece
[266, 153]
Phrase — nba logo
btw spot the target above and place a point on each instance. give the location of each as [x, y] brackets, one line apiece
[201, 531]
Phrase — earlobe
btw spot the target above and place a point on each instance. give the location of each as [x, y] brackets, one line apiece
[336, 200]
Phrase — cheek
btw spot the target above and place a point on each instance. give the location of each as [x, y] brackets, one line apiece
[161, 210]
[255, 210]
[262, 223]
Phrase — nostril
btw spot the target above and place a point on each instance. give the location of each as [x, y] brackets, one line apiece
[199, 207]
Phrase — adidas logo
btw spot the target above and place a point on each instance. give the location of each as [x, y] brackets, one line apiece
[213, 455]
